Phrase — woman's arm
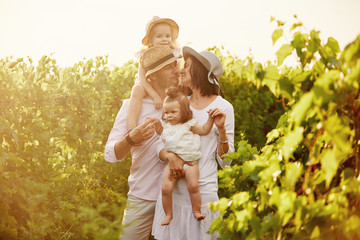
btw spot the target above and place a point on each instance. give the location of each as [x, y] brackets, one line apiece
[229, 135]
[219, 120]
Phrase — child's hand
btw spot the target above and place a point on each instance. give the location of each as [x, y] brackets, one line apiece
[153, 120]
[158, 102]
[157, 124]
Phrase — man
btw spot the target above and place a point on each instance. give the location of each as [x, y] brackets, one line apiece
[146, 169]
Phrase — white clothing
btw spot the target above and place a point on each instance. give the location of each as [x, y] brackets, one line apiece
[146, 170]
[184, 226]
[138, 218]
[180, 140]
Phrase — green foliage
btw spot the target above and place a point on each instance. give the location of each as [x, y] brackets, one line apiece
[256, 108]
[55, 183]
[304, 183]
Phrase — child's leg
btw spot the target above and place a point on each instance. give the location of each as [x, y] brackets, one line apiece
[192, 180]
[137, 94]
[166, 190]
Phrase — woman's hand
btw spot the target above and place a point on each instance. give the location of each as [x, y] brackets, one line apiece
[219, 117]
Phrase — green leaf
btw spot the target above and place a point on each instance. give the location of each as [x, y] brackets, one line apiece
[301, 77]
[299, 41]
[301, 107]
[291, 140]
[272, 135]
[333, 45]
[292, 173]
[339, 133]
[329, 164]
[323, 92]
[286, 88]
[271, 79]
[280, 23]
[295, 25]
[315, 42]
[315, 234]
[319, 67]
[286, 205]
[284, 52]
[240, 198]
[276, 35]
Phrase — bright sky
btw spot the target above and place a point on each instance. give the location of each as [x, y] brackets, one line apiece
[76, 29]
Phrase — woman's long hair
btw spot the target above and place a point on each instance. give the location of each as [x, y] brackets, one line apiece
[199, 79]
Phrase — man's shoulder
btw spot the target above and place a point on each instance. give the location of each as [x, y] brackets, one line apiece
[146, 100]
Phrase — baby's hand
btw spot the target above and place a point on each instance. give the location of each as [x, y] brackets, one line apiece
[158, 102]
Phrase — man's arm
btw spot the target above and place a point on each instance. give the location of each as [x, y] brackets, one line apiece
[133, 138]
[117, 147]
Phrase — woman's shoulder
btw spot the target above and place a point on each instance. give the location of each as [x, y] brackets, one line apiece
[222, 103]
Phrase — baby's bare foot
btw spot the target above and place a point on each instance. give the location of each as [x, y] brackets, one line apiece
[198, 216]
[166, 221]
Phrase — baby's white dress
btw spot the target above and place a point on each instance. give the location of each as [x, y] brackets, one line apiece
[179, 139]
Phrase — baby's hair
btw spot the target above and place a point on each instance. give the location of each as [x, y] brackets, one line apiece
[173, 94]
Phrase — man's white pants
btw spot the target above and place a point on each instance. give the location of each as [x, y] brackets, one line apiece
[138, 218]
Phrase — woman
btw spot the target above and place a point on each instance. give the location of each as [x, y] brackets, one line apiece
[200, 74]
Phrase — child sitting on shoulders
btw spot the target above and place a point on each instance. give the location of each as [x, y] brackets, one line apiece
[159, 31]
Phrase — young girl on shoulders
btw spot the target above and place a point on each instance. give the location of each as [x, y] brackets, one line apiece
[180, 134]
[159, 31]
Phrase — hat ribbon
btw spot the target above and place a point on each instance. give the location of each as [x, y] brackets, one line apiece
[157, 63]
[213, 78]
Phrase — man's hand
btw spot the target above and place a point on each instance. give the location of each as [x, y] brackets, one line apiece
[142, 132]
[176, 164]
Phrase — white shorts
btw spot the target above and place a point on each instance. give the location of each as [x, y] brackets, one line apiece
[192, 162]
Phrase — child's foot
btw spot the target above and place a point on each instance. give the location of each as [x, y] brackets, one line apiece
[166, 221]
[198, 216]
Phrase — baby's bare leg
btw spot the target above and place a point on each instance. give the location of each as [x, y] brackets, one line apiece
[166, 190]
[192, 180]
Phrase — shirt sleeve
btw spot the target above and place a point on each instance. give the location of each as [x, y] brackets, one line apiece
[117, 133]
[192, 122]
[230, 128]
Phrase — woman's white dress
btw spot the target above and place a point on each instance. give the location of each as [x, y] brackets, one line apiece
[184, 226]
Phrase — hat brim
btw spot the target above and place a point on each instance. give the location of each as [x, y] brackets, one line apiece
[161, 65]
[188, 51]
[173, 25]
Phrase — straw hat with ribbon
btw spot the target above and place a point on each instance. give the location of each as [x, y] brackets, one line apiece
[155, 20]
[157, 57]
[209, 60]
